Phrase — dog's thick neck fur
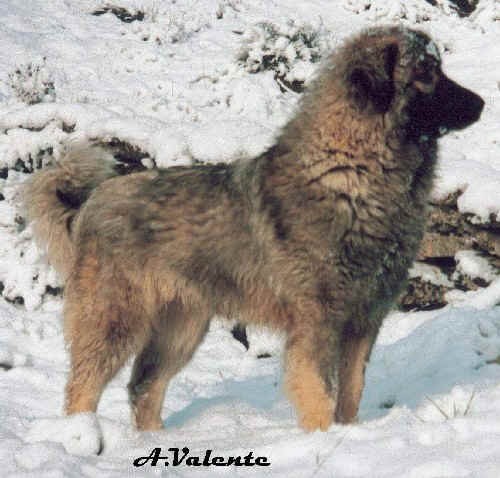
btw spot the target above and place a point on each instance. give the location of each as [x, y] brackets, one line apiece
[348, 152]
[356, 178]
[338, 140]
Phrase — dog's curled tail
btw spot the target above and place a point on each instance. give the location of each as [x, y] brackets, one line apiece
[53, 197]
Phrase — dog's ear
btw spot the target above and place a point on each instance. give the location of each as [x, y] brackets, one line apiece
[372, 84]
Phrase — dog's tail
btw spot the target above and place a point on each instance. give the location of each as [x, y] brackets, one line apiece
[53, 197]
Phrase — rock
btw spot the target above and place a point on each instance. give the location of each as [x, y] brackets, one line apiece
[422, 295]
[449, 232]
[440, 245]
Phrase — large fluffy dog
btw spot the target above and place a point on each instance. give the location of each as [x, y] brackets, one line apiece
[313, 237]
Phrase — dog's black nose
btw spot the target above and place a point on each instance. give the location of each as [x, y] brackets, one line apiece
[459, 107]
[479, 106]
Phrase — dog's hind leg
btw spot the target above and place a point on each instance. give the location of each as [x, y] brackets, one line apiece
[176, 334]
[102, 328]
[95, 359]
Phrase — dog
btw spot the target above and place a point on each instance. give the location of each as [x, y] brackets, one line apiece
[313, 238]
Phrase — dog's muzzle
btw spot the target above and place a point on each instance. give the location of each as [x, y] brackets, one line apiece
[456, 106]
[449, 107]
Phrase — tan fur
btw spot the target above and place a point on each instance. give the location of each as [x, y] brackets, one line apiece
[82, 168]
[355, 353]
[314, 237]
[308, 391]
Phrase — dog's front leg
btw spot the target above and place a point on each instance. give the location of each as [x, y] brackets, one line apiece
[355, 352]
[312, 370]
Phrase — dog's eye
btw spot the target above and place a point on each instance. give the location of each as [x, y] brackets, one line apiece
[426, 70]
[426, 74]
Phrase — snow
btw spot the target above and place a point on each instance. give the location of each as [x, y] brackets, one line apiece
[436, 410]
[80, 434]
[178, 86]
[472, 264]
[430, 274]
[480, 299]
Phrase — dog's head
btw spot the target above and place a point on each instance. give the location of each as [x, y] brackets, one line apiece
[397, 71]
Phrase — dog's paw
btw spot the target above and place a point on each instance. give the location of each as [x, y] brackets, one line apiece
[80, 434]
[316, 420]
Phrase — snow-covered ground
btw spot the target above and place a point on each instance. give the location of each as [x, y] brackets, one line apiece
[188, 83]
